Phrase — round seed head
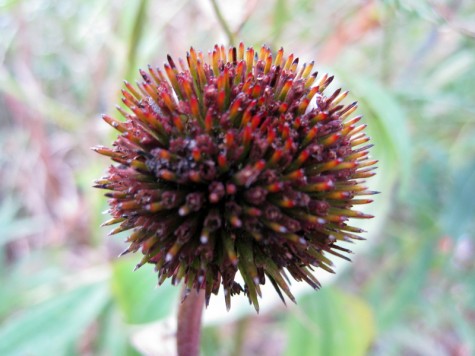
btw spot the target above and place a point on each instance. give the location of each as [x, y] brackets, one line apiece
[236, 161]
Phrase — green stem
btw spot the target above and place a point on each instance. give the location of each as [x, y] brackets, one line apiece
[189, 323]
[138, 26]
[239, 336]
[223, 22]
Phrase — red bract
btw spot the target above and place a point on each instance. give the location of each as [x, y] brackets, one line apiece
[236, 161]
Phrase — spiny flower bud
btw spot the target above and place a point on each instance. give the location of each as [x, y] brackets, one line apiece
[236, 161]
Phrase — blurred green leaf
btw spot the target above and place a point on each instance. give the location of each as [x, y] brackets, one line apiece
[280, 18]
[137, 295]
[210, 341]
[96, 201]
[114, 339]
[459, 209]
[451, 70]
[408, 287]
[20, 280]
[50, 328]
[330, 323]
[386, 122]
[7, 4]
[11, 226]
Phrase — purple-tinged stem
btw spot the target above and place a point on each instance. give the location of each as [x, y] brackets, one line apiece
[189, 323]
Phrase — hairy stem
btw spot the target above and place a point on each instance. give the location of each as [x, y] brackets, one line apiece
[189, 323]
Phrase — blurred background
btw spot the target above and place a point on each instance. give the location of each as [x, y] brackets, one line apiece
[411, 287]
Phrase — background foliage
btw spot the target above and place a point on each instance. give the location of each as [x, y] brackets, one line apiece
[410, 64]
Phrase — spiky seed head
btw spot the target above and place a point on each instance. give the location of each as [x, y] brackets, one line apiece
[236, 161]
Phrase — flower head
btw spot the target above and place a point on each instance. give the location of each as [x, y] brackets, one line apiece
[236, 161]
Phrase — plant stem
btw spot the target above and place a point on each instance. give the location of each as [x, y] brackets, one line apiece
[189, 323]
[138, 26]
[223, 22]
